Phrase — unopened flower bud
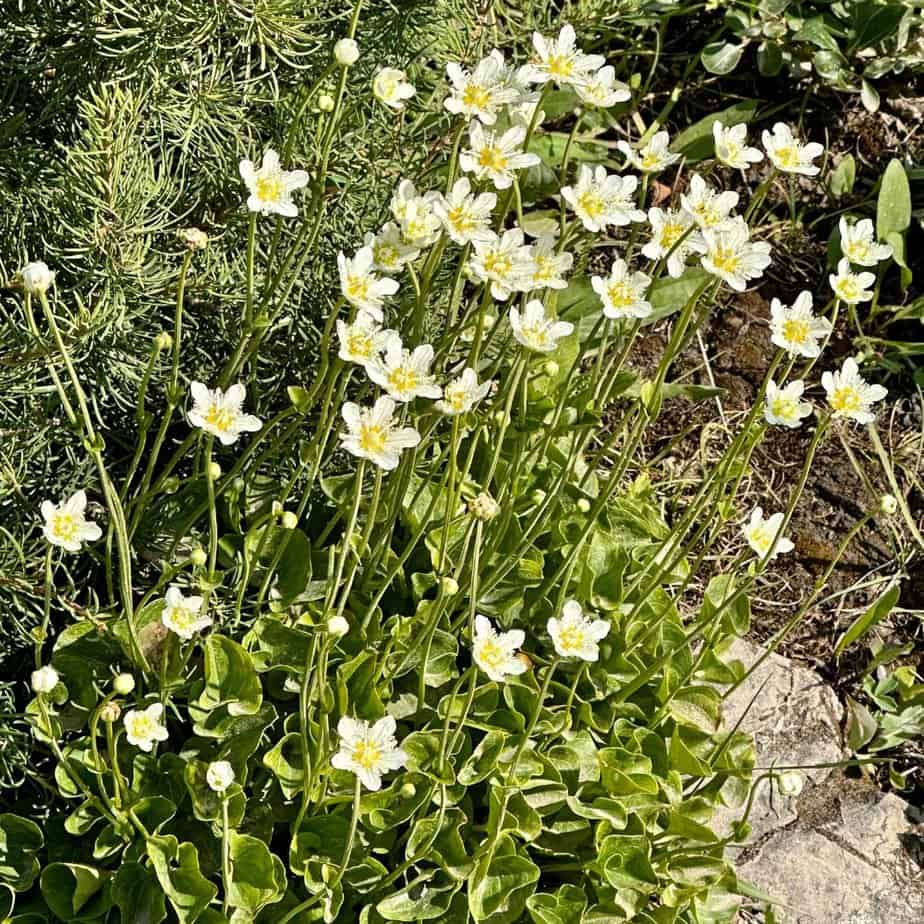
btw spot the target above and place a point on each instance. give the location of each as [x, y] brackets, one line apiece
[36, 277]
[163, 341]
[538, 496]
[888, 504]
[408, 791]
[450, 586]
[277, 509]
[790, 783]
[583, 505]
[171, 485]
[110, 712]
[219, 775]
[550, 368]
[123, 684]
[346, 52]
[501, 418]
[45, 679]
[289, 520]
[326, 102]
[488, 322]
[198, 557]
[483, 507]
[194, 238]
[338, 626]
[214, 471]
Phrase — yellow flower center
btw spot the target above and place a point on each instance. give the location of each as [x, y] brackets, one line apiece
[725, 260]
[783, 407]
[181, 617]
[848, 289]
[544, 269]
[535, 334]
[846, 399]
[372, 438]
[732, 149]
[571, 638]
[476, 96]
[367, 755]
[460, 219]
[620, 295]
[787, 157]
[492, 654]
[385, 255]
[857, 251]
[497, 263]
[359, 344]
[270, 188]
[403, 379]
[761, 539]
[219, 417]
[64, 526]
[796, 330]
[357, 287]
[671, 232]
[456, 397]
[560, 65]
[650, 161]
[591, 203]
[143, 726]
[491, 157]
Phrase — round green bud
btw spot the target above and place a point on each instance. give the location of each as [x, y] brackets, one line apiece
[214, 471]
[198, 557]
[326, 102]
[408, 791]
[123, 684]
[289, 520]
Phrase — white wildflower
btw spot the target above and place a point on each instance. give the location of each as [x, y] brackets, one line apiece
[420, 224]
[374, 434]
[559, 60]
[600, 199]
[183, 615]
[496, 157]
[731, 146]
[623, 292]
[390, 87]
[36, 277]
[219, 775]
[390, 249]
[66, 524]
[361, 286]
[362, 340]
[466, 217]
[505, 261]
[220, 412]
[708, 207]
[788, 154]
[851, 288]
[549, 265]
[795, 329]
[651, 157]
[858, 243]
[480, 93]
[45, 679]
[369, 751]
[405, 374]
[602, 89]
[535, 331]
[673, 237]
[346, 52]
[576, 636]
[271, 187]
[732, 256]
[496, 652]
[143, 727]
[783, 407]
[463, 393]
[850, 395]
[765, 537]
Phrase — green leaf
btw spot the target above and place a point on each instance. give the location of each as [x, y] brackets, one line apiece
[483, 760]
[843, 176]
[566, 906]
[258, 877]
[696, 142]
[427, 898]
[73, 890]
[869, 96]
[861, 726]
[20, 840]
[625, 861]
[893, 207]
[286, 760]
[873, 22]
[137, 895]
[668, 296]
[721, 57]
[278, 645]
[177, 869]
[698, 707]
[873, 616]
[230, 678]
[501, 885]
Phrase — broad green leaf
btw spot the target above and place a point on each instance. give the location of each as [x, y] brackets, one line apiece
[286, 760]
[721, 57]
[893, 207]
[871, 617]
[501, 885]
[869, 96]
[696, 142]
[668, 296]
[483, 760]
[20, 841]
[843, 176]
[258, 877]
[137, 895]
[566, 906]
[73, 890]
[177, 869]
[699, 707]
[445, 846]
[278, 645]
[230, 678]
[427, 898]
[861, 726]
[625, 861]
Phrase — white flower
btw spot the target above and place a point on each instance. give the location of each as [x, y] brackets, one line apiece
[495, 652]
[220, 414]
[482, 92]
[783, 407]
[463, 393]
[559, 60]
[858, 243]
[576, 636]
[368, 750]
[420, 224]
[668, 227]
[764, 536]
[623, 293]
[506, 262]
[466, 217]
[535, 331]
[790, 783]
[45, 679]
[494, 157]
[390, 86]
[731, 146]
[652, 156]
[363, 340]
[360, 286]
[182, 614]
[66, 525]
[219, 775]
[390, 249]
[788, 154]
[549, 265]
[600, 199]
[36, 277]
[796, 329]
[851, 287]
[708, 207]
[374, 434]
[850, 395]
[732, 256]
[346, 52]
[602, 89]
[405, 375]
[271, 187]
[338, 626]
[144, 726]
